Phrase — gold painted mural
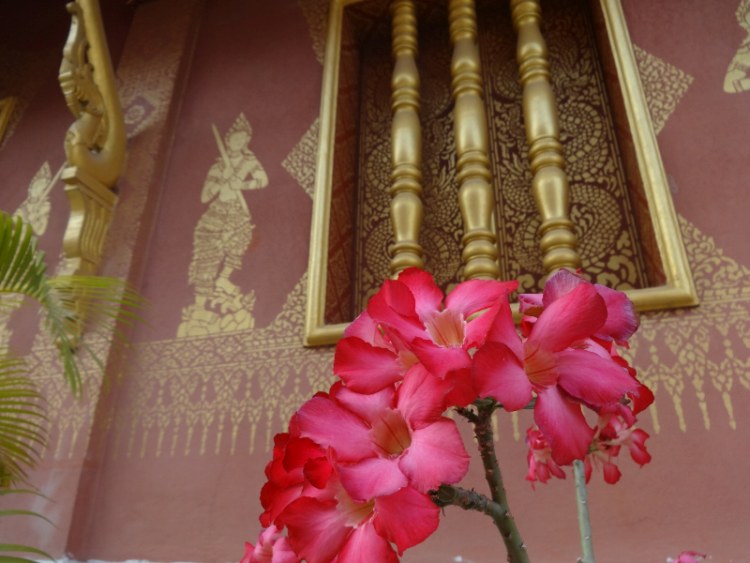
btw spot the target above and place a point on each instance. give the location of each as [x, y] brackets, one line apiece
[222, 237]
[738, 74]
[34, 210]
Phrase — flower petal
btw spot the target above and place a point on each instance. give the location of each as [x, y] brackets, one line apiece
[503, 329]
[329, 424]
[365, 545]
[438, 360]
[562, 423]
[406, 518]
[367, 406]
[574, 316]
[622, 320]
[365, 368]
[559, 285]
[421, 397]
[427, 295]
[498, 374]
[592, 379]
[394, 306]
[474, 295]
[372, 478]
[436, 455]
[317, 529]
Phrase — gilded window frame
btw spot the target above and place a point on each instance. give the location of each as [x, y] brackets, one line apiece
[678, 289]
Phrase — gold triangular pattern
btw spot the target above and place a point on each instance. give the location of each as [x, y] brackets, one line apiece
[301, 162]
[664, 85]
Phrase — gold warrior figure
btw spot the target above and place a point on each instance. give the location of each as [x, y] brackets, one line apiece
[224, 231]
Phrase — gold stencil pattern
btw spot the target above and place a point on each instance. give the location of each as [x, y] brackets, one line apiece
[316, 15]
[664, 86]
[707, 347]
[738, 74]
[300, 163]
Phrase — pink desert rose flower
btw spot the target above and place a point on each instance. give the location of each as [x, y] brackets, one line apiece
[409, 320]
[688, 557]
[539, 458]
[566, 360]
[387, 440]
[614, 430]
[272, 547]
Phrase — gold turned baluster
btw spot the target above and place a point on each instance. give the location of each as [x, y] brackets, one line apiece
[476, 197]
[95, 142]
[406, 136]
[549, 183]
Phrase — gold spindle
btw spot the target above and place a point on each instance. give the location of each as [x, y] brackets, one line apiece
[406, 135]
[476, 197]
[550, 183]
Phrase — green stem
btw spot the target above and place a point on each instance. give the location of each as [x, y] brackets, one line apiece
[503, 519]
[584, 522]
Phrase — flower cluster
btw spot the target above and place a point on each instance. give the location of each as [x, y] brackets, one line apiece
[350, 479]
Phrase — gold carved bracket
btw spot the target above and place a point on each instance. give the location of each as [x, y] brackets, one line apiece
[95, 142]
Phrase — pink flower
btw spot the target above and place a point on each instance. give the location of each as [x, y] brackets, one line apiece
[351, 530]
[406, 321]
[614, 430]
[539, 458]
[688, 557]
[566, 361]
[387, 440]
[272, 547]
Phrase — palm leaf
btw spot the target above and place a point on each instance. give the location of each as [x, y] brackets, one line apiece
[22, 431]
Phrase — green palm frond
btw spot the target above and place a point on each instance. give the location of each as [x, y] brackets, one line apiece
[22, 429]
[103, 302]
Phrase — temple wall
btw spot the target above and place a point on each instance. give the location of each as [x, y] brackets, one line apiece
[165, 460]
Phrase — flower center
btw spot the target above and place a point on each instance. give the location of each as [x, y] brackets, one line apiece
[446, 328]
[355, 512]
[390, 433]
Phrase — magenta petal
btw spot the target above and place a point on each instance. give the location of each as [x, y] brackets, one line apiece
[592, 379]
[498, 374]
[559, 285]
[365, 545]
[372, 478]
[420, 397]
[622, 320]
[366, 406]
[439, 360]
[317, 529]
[394, 306]
[328, 424]
[365, 328]
[576, 315]
[562, 423]
[436, 455]
[427, 295]
[365, 368]
[503, 329]
[406, 518]
[474, 295]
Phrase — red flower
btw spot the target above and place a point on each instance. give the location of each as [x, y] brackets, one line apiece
[539, 458]
[688, 557]
[272, 547]
[566, 360]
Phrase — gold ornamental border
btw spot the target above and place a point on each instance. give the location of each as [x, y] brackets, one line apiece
[678, 289]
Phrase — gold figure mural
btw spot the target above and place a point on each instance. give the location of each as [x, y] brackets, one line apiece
[222, 237]
[34, 210]
[738, 74]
